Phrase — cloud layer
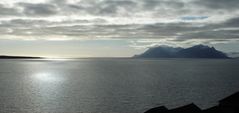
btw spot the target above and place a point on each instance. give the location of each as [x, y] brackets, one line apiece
[162, 20]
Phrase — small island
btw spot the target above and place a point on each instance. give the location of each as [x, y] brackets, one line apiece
[197, 51]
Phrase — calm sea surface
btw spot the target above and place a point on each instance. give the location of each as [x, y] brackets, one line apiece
[113, 85]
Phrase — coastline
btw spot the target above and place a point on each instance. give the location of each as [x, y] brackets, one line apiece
[229, 104]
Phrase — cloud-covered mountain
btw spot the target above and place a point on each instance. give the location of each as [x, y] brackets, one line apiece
[198, 51]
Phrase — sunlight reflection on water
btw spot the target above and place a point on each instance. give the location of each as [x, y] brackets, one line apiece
[113, 85]
[47, 77]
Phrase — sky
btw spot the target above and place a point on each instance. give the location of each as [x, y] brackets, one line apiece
[115, 28]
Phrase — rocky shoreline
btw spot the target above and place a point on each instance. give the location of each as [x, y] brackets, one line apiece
[229, 104]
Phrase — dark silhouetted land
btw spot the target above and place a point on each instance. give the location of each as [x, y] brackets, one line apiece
[229, 104]
[18, 57]
[198, 51]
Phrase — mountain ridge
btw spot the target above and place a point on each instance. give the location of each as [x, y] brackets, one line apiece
[197, 51]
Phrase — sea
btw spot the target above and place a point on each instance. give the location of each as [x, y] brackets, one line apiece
[113, 85]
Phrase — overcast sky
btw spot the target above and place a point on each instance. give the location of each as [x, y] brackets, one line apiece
[111, 28]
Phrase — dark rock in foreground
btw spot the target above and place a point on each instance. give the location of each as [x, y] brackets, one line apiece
[228, 105]
[160, 109]
[186, 109]
[198, 51]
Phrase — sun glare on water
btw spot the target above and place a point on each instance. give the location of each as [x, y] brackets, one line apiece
[47, 77]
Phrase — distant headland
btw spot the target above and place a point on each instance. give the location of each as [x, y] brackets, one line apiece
[18, 57]
[197, 51]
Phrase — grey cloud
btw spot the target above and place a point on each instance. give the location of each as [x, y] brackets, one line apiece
[154, 4]
[219, 4]
[22, 23]
[8, 11]
[103, 8]
[132, 7]
[38, 9]
[180, 31]
[233, 22]
[26, 27]
[129, 7]
[214, 35]
[100, 11]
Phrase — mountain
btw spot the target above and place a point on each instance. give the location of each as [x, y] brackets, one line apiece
[160, 52]
[197, 51]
